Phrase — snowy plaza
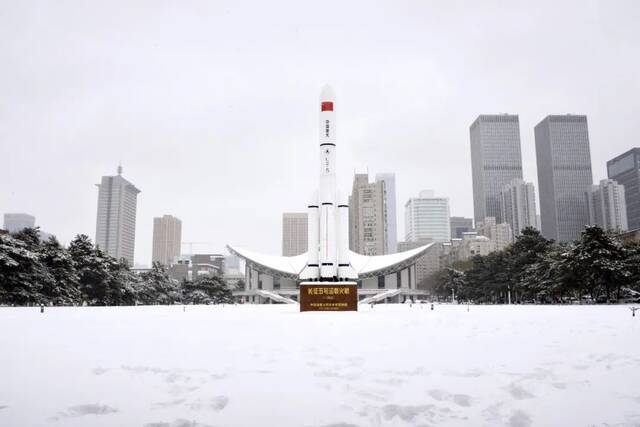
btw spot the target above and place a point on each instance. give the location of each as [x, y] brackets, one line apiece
[269, 365]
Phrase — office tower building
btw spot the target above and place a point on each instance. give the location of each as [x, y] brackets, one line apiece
[391, 217]
[564, 174]
[294, 233]
[14, 222]
[427, 217]
[460, 225]
[607, 206]
[625, 170]
[167, 238]
[367, 216]
[496, 159]
[116, 218]
[518, 205]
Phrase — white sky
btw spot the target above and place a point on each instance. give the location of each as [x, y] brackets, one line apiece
[212, 106]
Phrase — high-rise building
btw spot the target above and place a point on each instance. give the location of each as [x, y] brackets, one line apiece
[294, 233]
[518, 204]
[167, 238]
[390, 211]
[625, 169]
[460, 225]
[14, 222]
[496, 159]
[116, 219]
[500, 234]
[367, 216]
[606, 205]
[564, 174]
[427, 217]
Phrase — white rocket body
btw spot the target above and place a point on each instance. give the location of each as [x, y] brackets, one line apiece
[328, 220]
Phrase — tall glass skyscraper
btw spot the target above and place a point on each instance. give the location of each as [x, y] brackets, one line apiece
[116, 219]
[625, 170]
[564, 175]
[496, 159]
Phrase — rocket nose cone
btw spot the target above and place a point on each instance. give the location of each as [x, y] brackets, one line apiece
[327, 94]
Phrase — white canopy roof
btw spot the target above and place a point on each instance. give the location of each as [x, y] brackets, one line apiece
[364, 265]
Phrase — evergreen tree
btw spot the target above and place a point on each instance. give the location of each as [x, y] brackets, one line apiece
[156, 287]
[92, 267]
[122, 285]
[207, 290]
[21, 273]
[63, 288]
[600, 261]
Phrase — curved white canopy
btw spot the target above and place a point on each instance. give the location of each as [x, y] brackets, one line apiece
[364, 265]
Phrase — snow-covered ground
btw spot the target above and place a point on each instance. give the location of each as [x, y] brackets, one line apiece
[272, 366]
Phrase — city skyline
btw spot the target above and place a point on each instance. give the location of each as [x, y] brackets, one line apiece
[90, 118]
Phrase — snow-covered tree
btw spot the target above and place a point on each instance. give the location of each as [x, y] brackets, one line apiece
[21, 272]
[63, 286]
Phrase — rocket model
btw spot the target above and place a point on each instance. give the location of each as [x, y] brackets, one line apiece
[328, 214]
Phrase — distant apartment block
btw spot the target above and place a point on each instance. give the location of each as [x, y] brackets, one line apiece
[116, 218]
[625, 170]
[167, 238]
[607, 206]
[367, 219]
[427, 217]
[518, 205]
[471, 245]
[500, 234]
[564, 174]
[294, 233]
[14, 222]
[496, 160]
[391, 216]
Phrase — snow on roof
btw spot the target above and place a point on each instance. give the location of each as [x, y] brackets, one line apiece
[363, 264]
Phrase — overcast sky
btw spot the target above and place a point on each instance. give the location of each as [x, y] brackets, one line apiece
[212, 106]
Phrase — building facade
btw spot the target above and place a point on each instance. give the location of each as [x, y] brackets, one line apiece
[499, 234]
[167, 238]
[472, 245]
[294, 233]
[518, 205]
[15, 222]
[367, 219]
[496, 160]
[460, 225]
[607, 206]
[391, 215]
[427, 217]
[116, 218]
[625, 170]
[564, 174]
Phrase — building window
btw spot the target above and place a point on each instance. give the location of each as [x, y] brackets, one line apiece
[380, 282]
